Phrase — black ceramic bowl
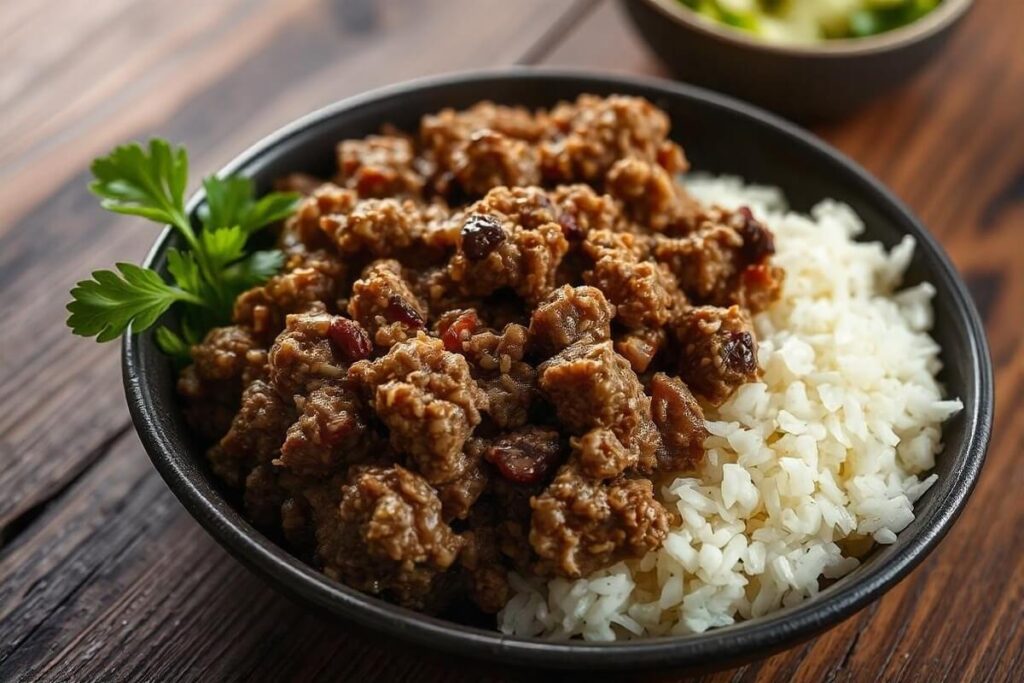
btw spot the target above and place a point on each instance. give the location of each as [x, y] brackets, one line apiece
[826, 80]
[719, 135]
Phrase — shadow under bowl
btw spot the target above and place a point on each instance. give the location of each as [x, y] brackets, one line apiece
[826, 80]
[720, 136]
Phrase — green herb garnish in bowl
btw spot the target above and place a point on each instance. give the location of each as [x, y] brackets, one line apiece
[811, 21]
[214, 267]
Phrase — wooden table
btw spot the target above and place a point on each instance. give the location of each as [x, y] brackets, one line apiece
[103, 575]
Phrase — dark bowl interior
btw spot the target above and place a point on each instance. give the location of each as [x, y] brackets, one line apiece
[719, 135]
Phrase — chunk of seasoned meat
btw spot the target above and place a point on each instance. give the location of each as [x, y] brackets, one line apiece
[459, 496]
[592, 386]
[718, 351]
[758, 287]
[440, 293]
[263, 497]
[496, 361]
[570, 315]
[380, 227]
[582, 210]
[681, 422]
[297, 523]
[527, 207]
[525, 456]
[496, 251]
[599, 455]
[650, 196]
[302, 230]
[643, 292]
[594, 132]
[580, 525]
[301, 183]
[630, 246]
[387, 537]
[489, 159]
[488, 577]
[309, 278]
[228, 353]
[302, 355]
[725, 261]
[209, 406]
[506, 507]
[384, 304]
[379, 166]
[481, 147]
[255, 436]
[703, 262]
[640, 346]
[427, 398]
[439, 131]
[331, 432]
[227, 360]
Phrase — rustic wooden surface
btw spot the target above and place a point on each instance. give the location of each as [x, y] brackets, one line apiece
[103, 575]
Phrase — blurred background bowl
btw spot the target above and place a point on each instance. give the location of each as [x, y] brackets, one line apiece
[826, 80]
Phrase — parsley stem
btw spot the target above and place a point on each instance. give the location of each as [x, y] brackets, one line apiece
[210, 274]
[187, 297]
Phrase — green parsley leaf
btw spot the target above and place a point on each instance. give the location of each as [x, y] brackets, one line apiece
[185, 271]
[257, 267]
[269, 209]
[229, 201]
[152, 185]
[108, 304]
[222, 246]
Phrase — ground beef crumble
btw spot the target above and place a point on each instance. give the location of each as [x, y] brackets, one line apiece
[429, 402]
[384, 304]
[580, 524]
[487, 339]
[592, 386]
[387, 536]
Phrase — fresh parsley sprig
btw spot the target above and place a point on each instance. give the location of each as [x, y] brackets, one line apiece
[207, 276]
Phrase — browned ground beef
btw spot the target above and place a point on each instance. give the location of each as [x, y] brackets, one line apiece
[580, 524]
[487, 339]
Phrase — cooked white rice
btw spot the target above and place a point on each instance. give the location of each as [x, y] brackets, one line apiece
[804, 468]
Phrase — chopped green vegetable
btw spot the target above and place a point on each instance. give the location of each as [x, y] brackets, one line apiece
[207, 276]
[865, 23]
[808, 21]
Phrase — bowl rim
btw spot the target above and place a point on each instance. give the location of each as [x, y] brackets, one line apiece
[751, 638]
[946, 14]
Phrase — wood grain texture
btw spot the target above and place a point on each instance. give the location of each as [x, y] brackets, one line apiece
[104, 576]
